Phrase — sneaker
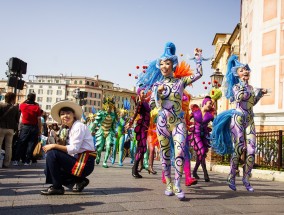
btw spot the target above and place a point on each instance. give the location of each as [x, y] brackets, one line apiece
[15, 163]
[247, 185]
[27, 163]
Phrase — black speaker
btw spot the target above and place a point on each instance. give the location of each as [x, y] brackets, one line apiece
[20, 84]
[17, 65]
[12, 81]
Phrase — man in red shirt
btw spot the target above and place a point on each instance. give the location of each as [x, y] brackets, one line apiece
[29, 131]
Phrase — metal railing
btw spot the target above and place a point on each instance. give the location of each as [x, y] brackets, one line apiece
[269, 149]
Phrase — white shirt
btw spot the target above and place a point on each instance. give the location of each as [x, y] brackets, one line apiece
[80, 139]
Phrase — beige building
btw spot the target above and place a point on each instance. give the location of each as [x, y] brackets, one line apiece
[225, 46]
[262, 47]
[21, 94]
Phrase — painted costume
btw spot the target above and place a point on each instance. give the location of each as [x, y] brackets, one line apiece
[104, 126]
[120, 134]
[141, 128]
[170, 122]
[237, 125]
[199, 137]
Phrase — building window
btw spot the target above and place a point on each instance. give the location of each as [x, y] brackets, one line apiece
[92, 84]
[32, 86]
[40, 91]
[48, 81]
[49, 87]
[59, 87]
[80, 82]
[88, 82]
[95, 103]
[67, 81]
[95, 95]
[48, 107]
[56, 81]
[99, 96]
[48, 99]
[39, 99]
[99, 103]
[40, 86]
[31, 90]
[59, 92]
[75, 82]
[49, 92]
[58, 99]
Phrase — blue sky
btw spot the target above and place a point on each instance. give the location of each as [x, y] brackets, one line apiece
[109, 37]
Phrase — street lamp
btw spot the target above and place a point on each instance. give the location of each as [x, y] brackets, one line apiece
[215, 92]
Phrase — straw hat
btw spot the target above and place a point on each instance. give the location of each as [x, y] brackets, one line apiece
[65, 103]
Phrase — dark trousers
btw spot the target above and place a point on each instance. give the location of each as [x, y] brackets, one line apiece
[26, 143]
[59, 167]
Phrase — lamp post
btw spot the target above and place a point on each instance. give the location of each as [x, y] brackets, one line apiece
[215, 92]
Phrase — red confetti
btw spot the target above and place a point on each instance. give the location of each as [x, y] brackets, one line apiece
[144, 71]
[212, 92]
[129, 74]
[137, 67]
[209, 82]
[219, 85]
[203, 82]
[215, 81]
[136, 77]
[205, 88]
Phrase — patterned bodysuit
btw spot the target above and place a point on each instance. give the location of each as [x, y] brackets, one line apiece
[105, 134]
[243, 128]
[199, 137]
[171, 124]
[119, 141]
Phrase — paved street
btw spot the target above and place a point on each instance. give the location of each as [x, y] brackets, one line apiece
[115, 191]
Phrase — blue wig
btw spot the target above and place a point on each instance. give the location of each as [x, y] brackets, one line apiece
[221, 138]
[151, 76]
[126, 104]
[153, 72]
[232, 76]
[169, 54]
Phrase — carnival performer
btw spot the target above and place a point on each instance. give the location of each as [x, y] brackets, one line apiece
[142, 125]
[167, 97]
[90, 124]
[234, 130]
[187, 164]
[199, 137]
[120, 132]
[104, 126]
[198, 58]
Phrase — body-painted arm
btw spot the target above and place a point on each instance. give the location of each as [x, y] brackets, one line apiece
[190, 79]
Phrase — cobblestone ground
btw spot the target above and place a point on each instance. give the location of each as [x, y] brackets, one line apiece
[115, 191]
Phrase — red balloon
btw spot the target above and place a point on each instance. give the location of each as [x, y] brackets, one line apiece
[144, 71]
[203, 82]
[219, 85]
[209, 82]
[137, 67]
[129, 74]
[205, 88]
[136, 77]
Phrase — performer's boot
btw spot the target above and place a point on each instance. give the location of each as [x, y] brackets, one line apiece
[194, 172]
[163, 178]
[247, 172]
[232, 181]
[140, 165]
[206, 176]
[151, 162]
[187, 172]
[169, 189]
[135, 173]
[177, 190]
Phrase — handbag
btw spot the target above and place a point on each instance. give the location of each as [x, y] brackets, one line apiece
[37, 153]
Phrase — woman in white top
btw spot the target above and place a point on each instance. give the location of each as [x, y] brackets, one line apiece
[69, 165]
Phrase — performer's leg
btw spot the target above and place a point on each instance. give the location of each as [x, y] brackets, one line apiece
[239, 143]
[100, 145]
[179, 138]
[187, 168]
[151, 160]
[114, 149]
[109, 141]
[121, 149]
[250, 158]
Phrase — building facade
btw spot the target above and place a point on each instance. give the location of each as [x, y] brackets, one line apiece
[262, 47]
